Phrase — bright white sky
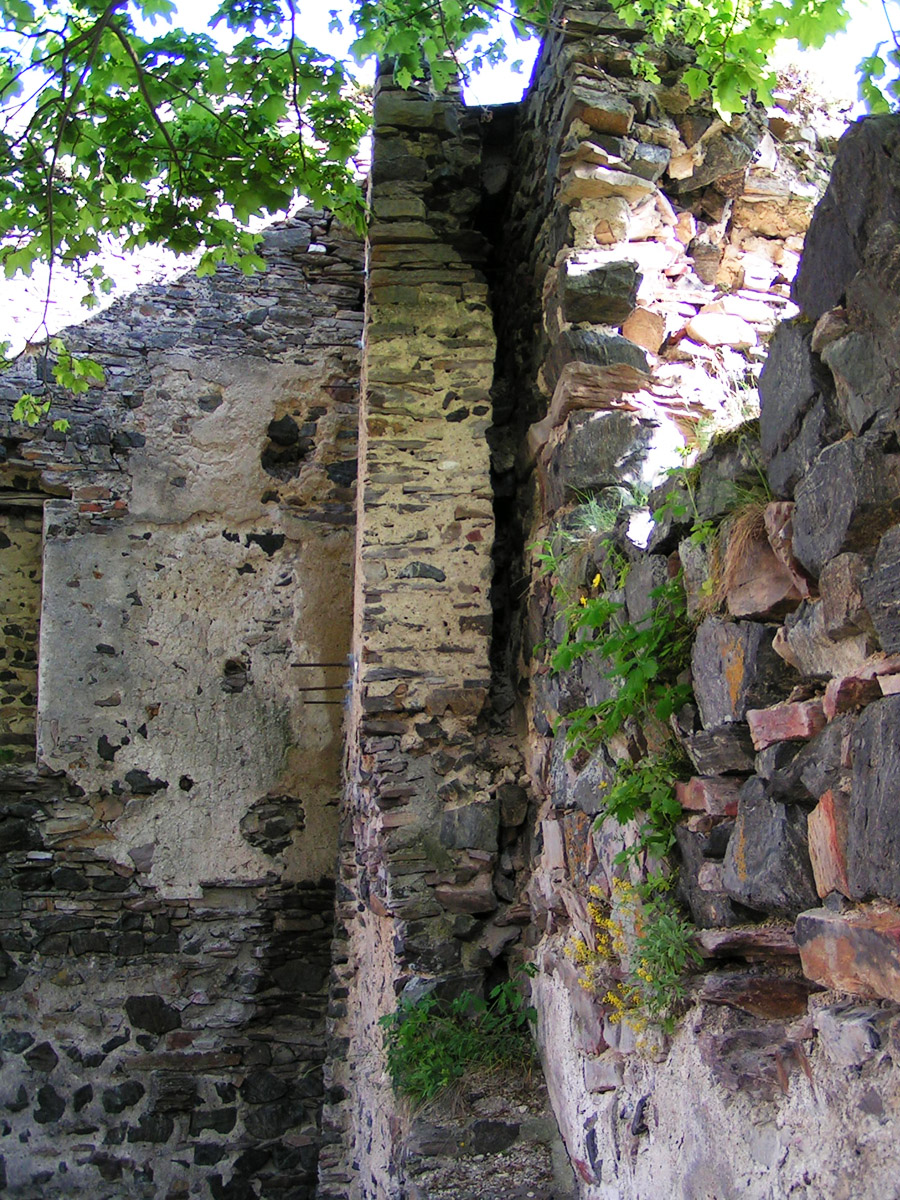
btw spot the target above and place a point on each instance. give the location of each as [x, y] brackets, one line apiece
[23, 299]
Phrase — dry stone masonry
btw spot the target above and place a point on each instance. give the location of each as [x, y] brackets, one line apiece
[283, 743]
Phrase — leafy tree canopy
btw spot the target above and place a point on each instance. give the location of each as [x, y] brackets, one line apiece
[115, 121]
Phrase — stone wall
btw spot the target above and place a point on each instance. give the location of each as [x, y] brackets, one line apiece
[167, 880]
[779, 1078]
[559, 297]
[428, 774]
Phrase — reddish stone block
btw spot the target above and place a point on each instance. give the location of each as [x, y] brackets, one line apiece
[856, 952]
[716, 795]
[753, 943]
[474, 897]
[799, 721]
[779, 522]
[775, 997]
[827, 827]
[759, 583]
[848, 694]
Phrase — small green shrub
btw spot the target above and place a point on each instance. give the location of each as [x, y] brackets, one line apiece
[647, 789]
[646, 658]
[656, 948]
[431, 1044]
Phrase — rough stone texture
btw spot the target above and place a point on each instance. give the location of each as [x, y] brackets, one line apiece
[20, 602]
[786, 723]
[873, 837]
[863, 194]
[840, 588]
[827, 827]
[853, 952]
[165, 880]
[604, 294]
[881, 591]
[804, 642]
[735, 669]
[767, 865]
[845, 502]
[166, 915]
[795, 392]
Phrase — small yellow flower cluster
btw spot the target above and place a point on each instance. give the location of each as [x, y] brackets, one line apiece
[626, 1005]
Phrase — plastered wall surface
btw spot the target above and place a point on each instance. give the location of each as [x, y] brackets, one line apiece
[20, 602]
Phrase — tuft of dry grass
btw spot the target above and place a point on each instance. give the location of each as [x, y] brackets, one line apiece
[746, 528]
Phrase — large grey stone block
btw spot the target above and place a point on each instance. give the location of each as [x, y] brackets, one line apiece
[767, 864]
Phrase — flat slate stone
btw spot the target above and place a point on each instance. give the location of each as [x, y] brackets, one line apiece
[881, 591]
[602, 295]
[724, 749]
[774, 997]
[789, 384]
[856, 952]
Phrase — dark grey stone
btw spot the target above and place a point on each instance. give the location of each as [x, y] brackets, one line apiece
[644, 577]
[593, 780]
[881, 591]
[649, 161]
[267, 1121]
[767, 865]
[152, 1013]
[725, 154]
[709, 910]
[420, 570]
[82, 1097]
[15, 1041]
[820, 762]
[270, 822]
[262, 1087]
[42, 1057]
[734, 668]
[863, 194]
[594, 348]
[820, 427]
[490, 1137]
[601, 451]
[152, 1127]
[470, 827]
[866, 395]
[50, 1106]
[873, 834]
[602, 295]
[847, 500]
[124, 1095]
[141, 783]
[792, 382]
[219, 1120]
[513, 802]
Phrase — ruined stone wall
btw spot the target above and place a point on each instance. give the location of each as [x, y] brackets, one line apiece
[779, 1079]
[558, 298]
[167, 873]
[427, 901]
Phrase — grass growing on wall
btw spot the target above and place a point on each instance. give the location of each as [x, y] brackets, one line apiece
[431, 1044]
